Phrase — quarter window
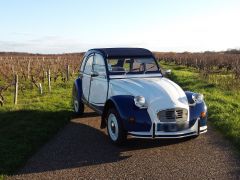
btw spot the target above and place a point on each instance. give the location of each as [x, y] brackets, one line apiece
[83, 63]
[99, 65]
[88, 66]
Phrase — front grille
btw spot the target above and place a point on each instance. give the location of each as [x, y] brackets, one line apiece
[173, 115]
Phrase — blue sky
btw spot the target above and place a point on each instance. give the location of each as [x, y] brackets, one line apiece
[58, 26]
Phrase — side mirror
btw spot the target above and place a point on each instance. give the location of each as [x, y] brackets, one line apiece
[94, 74]
[168, 72]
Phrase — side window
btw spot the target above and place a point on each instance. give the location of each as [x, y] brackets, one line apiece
[99, 65]
[82, 64]
[88, 66]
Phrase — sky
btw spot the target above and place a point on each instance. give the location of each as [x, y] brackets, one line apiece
[62, 26]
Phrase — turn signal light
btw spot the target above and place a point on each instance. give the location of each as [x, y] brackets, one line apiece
[131, 120]
[203, 114]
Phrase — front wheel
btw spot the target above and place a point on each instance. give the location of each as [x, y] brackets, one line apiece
[116, 132]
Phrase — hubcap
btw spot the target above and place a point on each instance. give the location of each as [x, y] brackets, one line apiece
[112, 127]
[76, 105]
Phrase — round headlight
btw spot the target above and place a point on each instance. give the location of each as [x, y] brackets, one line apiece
[198, 98]
[140, 101]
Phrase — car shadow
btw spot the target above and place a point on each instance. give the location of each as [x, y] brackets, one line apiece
[82, 143]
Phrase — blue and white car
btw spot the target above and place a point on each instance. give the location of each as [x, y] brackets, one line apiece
[128, 89]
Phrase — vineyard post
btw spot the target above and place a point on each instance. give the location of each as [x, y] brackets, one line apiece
[49, 80]
[13, 70]
[68, 72]
[43, 74]
[40, 88]
[28, 69]
[16, 89]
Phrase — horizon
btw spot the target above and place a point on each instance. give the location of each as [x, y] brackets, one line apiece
[80, 52]
[57, 27]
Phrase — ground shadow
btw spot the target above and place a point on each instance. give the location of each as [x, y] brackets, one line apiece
[80, 144]
[22, 132]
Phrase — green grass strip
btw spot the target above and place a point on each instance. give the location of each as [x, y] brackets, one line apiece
[223, 104]
[30, 124]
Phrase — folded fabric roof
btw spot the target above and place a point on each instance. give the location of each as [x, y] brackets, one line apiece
[124, 52]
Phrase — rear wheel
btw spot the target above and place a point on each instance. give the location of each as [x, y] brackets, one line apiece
[116, 132]
[78, 106]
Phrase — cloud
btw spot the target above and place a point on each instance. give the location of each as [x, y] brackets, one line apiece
[46, 44]
[57, 44]
[21, 34]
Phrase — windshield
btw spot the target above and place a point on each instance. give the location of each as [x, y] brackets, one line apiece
[132, 65]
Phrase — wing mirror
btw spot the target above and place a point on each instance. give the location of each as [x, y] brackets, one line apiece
[94, 74]
[168, 72]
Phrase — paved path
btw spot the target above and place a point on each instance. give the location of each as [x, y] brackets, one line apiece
[82, 151]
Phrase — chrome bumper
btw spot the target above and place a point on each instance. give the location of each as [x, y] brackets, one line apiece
[193, 131]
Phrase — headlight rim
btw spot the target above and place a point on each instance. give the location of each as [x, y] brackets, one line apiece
[139, 104]
[197, 98]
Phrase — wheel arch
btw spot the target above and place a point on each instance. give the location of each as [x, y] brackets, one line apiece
[128, 112]
[124, 104]
[109, 104]
[78, 87]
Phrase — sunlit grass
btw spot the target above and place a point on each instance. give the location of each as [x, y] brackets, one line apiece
[223, 104]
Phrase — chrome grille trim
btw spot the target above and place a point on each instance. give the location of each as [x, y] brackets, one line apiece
[178, 115]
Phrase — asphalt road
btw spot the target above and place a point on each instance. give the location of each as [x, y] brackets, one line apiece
[82, 151]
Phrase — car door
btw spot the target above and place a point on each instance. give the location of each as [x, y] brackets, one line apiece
[86, 77]
[99, 82]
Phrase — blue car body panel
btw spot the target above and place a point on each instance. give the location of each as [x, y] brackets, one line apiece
[126, 108]
[78, 85]
[195, 111]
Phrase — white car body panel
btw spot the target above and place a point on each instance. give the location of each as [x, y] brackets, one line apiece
[98, 91]
[160, 93]
[86, 81]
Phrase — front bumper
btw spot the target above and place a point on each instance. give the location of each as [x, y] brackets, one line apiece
[154, 133]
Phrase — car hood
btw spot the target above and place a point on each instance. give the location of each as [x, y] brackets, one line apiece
[160, 93]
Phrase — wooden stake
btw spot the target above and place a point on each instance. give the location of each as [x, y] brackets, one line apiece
[28, 69]
[68, 72]
[40, 88]
[16, 90]
[43, 74]
[49, 80]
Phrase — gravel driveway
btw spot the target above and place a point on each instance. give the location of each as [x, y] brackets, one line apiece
[82, 151]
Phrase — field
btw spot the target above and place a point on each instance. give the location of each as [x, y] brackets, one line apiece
[36, 116]
[43, 103]
[222, 69]
[27, 126]
[223, 105]
[28, 71]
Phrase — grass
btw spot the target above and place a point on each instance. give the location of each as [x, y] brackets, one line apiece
[223, 104]
[27, 126]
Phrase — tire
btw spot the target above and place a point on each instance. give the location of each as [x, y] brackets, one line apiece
[78, 106]
[116, 132]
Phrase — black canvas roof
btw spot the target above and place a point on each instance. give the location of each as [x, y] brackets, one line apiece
[124, 52]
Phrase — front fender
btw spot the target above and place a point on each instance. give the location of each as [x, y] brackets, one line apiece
[133, 118]
[195, 111]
